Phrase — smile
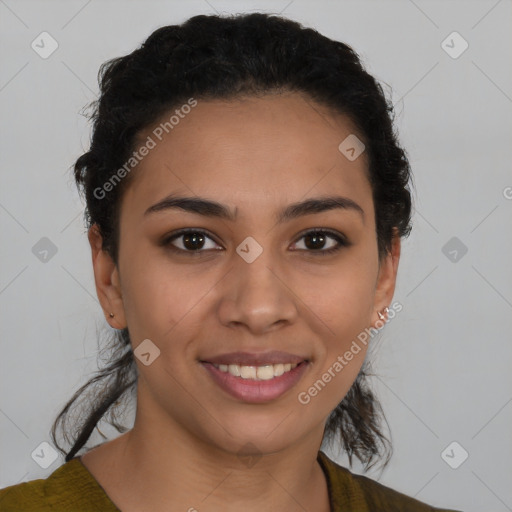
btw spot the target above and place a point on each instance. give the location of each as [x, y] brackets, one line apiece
[256, 384]
[264, 372]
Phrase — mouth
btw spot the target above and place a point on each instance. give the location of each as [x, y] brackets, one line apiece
[255, 378]
[263, 372]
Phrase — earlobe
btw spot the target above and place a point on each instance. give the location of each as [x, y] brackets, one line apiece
[107, 281]
[382, 315]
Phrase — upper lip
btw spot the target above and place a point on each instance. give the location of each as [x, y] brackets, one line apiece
[255, 359]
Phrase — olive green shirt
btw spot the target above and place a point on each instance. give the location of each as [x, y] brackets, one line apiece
[72, 488]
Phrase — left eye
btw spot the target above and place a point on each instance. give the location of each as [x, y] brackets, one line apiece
[319, 237]
[194, 240]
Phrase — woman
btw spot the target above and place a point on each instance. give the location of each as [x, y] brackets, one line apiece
[246, 197]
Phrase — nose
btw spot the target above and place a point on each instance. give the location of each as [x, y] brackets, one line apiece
[258, 296]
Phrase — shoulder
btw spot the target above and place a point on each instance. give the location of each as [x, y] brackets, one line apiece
[350, 491]
[69, 487]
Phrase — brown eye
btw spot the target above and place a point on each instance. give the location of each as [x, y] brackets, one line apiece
[190, 240]
[315, 241]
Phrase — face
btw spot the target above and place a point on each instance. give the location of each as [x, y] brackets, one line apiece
[264, 283]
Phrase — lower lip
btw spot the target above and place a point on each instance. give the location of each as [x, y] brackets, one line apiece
[256, 391]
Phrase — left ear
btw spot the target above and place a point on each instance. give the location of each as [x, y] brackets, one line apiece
[386, 280]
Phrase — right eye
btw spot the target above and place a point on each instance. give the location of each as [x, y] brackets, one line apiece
[191, 240]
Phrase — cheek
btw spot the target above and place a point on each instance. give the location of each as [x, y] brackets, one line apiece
[161, 300]
[345, 309]
[342, 298]
[340, 360]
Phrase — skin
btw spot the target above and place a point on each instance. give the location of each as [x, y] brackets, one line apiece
[257, 155]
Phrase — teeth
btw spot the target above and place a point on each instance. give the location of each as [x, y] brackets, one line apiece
[265, 372]
[234, 369]
[248, 372]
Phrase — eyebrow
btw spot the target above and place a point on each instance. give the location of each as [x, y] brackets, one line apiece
[209, 208]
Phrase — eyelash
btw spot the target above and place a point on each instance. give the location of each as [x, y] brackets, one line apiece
[342, 241]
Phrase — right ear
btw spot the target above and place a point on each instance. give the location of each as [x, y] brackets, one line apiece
[106, 277]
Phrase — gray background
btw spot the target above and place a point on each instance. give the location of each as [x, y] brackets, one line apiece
[443, 362]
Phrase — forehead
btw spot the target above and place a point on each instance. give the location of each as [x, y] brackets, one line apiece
[254, 151]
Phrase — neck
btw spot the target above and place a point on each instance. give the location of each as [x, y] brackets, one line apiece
[159, 463]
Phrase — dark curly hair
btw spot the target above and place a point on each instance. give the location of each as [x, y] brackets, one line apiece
[227, 57]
